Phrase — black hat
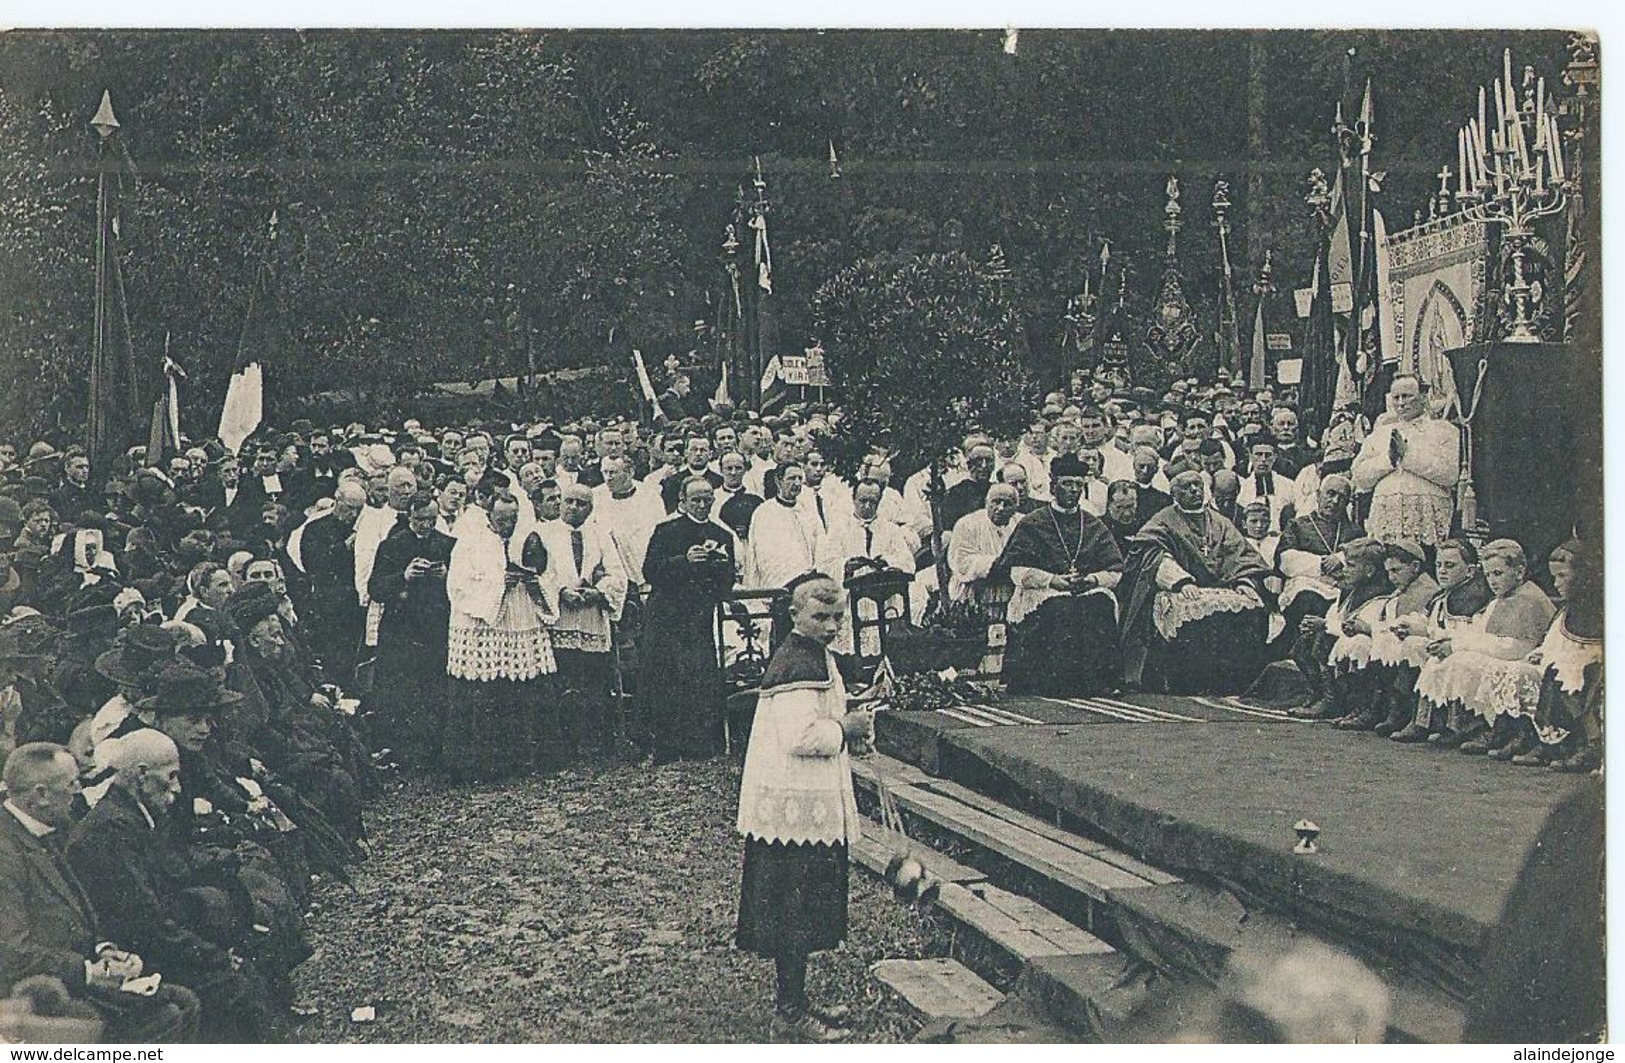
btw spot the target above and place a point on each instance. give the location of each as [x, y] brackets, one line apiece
[183, 689]
[251, 604]
[139, 650]
[27, 639]
[1067, 464]
[99, 620]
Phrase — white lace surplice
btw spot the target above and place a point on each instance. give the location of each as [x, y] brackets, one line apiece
[797, 782]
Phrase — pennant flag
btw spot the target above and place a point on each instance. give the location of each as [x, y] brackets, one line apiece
[759, 328]
[164, 438]
[114, 420]
[645, 384]
[1257, 364]
[764, 255]
[263, 341]
[721, 398]
[1317, 383]
[244, 407]
[774, 390]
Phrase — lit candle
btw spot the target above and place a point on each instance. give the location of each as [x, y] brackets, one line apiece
[1540, 101]
[1461, 160]
[1506, 73]
[1554, 143]
[1477, 131]
[1500, 106]
[1481, 106]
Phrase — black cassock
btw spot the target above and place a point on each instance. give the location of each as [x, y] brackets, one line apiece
[409, 684]
[680, 689]
[1068, 645]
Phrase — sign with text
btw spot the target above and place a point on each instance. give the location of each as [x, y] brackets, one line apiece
[793, 369]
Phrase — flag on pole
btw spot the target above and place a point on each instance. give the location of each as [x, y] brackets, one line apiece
[263, 339]
[721, 398]
[646, 385]
[114, 421]
[760, 329]
[1256, 366]
[774, 389]
[244, 407]
[164, 438]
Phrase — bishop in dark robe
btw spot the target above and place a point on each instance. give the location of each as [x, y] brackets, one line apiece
[1063, 615]
[690, 568]
[1193, 595]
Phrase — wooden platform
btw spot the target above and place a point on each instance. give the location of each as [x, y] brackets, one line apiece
[1421, 849]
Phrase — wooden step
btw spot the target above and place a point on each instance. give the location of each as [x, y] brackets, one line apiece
[1018, 927]
[1082, 872]
[938, 988]
[983, 803]
[984, 819]
[875, 848]
[897, 772]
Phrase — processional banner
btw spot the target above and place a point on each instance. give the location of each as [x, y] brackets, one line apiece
[1436, 286]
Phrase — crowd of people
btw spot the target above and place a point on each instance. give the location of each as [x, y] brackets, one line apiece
[206, 660]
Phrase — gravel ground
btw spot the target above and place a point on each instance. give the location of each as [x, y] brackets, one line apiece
[584, 906]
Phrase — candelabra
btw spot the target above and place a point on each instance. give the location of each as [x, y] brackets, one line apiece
[1504, 181]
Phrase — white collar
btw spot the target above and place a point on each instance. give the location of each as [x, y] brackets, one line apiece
[30, 824]
[152, 824]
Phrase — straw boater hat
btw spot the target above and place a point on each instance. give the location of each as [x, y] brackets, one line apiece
[183, 689]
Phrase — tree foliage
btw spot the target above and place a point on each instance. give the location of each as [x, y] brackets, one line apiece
[453, 206]
[927, 347]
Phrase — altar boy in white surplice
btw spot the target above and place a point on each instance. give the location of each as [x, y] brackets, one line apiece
[797, 810]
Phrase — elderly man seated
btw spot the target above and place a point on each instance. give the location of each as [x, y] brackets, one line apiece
[121, 853]
[48, 925]
[1194, 615]
[1064, 564]
[978, 540]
